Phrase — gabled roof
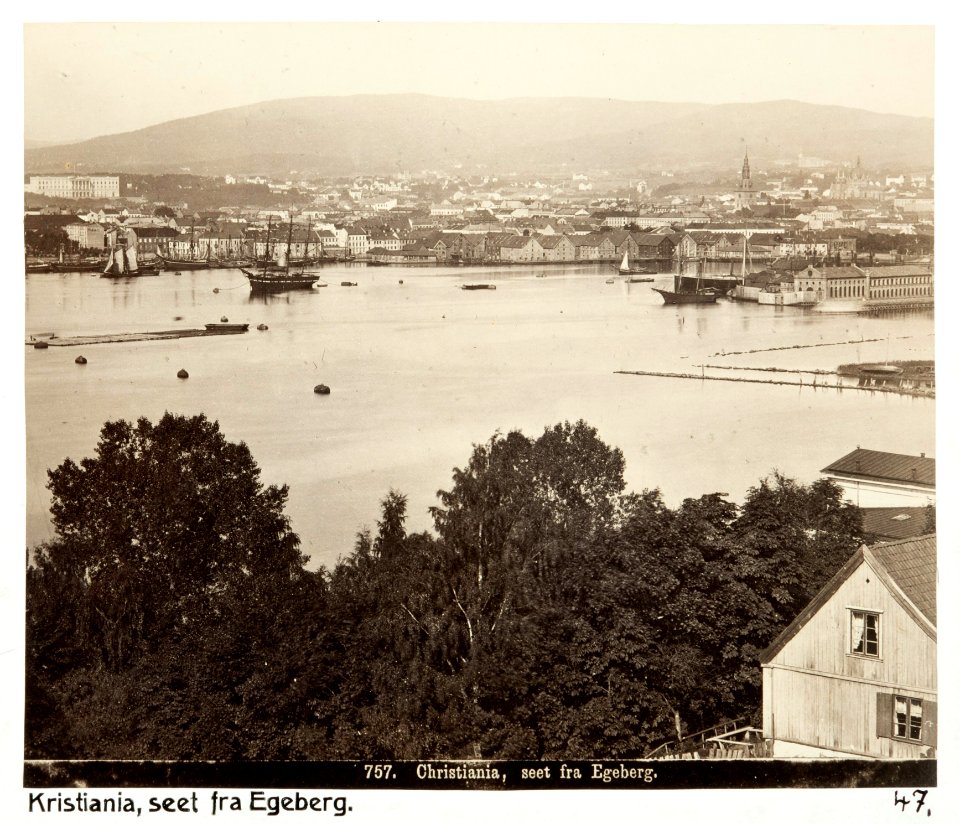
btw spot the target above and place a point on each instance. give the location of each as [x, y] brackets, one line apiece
[889, 466]
[585, 240]
[645, 239]
[517, 241]
[551, 241]
[908, 568]
[912, 565]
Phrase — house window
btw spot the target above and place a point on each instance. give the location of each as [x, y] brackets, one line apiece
[907, 718]
[865, 633]
[901, 717]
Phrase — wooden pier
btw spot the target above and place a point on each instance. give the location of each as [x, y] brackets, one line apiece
[129, 337]
[920, 393]
[897, 308]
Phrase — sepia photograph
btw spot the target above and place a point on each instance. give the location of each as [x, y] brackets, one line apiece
[475, 406]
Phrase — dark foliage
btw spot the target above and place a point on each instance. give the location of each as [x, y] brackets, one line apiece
[553, 614]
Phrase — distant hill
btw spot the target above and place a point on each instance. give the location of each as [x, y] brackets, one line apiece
[383, 133]
[39, 144]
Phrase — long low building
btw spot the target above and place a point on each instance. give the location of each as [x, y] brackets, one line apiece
[870, 478]
[855, 288]
[76, 187]
[898, 284]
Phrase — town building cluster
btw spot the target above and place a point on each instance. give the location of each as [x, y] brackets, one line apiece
[799, 231]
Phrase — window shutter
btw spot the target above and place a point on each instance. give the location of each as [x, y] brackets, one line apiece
[885, 714]
[928, 735]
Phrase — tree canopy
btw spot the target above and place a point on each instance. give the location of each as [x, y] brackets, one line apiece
[551, 614]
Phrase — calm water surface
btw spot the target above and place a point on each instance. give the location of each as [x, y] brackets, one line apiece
[421, 370]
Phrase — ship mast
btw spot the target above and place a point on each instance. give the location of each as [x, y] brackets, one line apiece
[266, 253]
[289, 242]
[306, 247]
[743, 265]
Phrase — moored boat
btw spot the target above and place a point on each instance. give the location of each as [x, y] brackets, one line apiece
[79, 266]
[628, 268]
[182, 265]
[226, 327]
[722, 283]
[474, 286]
[700, 296]
[280, 281]
[268, 279]
[679, 295]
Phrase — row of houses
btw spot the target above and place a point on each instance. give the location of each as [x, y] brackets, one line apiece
[509, 247]
[533, 240]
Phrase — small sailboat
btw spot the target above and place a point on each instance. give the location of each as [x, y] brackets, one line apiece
[626, 268]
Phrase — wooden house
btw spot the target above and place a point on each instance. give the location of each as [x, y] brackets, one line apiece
[557, 247]
[652, 246]
[520, 249]
[586, 247]
[855, 674]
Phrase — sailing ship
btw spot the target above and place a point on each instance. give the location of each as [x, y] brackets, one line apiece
[191, 262]
[724, 284]
[77, 263]
[670, 297]
[269, 279]
[122, 262]
[679, 296]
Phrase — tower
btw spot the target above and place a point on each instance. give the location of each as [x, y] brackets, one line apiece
[857, 180]
[745, 195]
[840, 190]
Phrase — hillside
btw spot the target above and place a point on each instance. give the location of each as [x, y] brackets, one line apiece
[377, 134]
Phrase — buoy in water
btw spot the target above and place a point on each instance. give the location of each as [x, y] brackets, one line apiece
[80, 359]
[321, 389]
[223, 319]
[216, 291]
[183, 373]
[41, 344]
[401, 283]
[263, 327]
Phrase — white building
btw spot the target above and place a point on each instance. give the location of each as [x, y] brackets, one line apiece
[874, 479]
[76, 187]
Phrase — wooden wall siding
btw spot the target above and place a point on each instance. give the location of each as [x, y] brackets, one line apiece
[908, 656]
[827, 712]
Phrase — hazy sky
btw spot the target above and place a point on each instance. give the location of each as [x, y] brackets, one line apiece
[87, 79]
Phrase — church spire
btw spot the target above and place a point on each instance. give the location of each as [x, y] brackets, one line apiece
[745, 173]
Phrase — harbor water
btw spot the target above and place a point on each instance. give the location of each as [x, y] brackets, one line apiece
[419, 370]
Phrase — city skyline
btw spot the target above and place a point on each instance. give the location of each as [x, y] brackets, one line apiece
[83, 80]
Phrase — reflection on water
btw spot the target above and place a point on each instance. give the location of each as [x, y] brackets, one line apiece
[421, 370]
